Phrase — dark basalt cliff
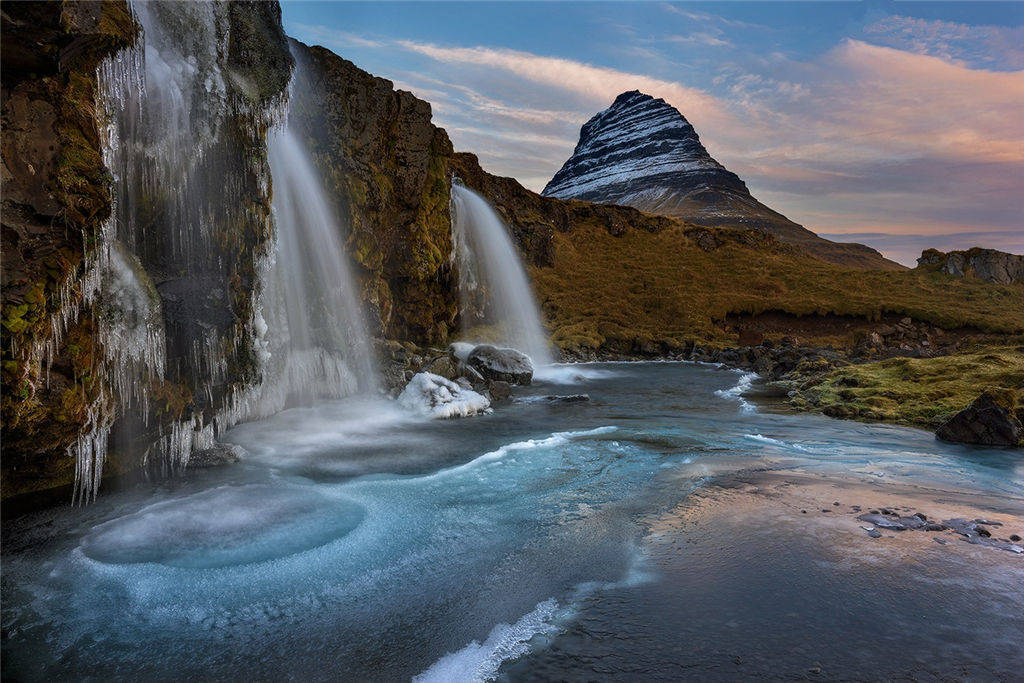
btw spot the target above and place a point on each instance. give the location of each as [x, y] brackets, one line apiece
[386, 166]
[190, 238]
[985, 264]
[642, 152]
[56, 195]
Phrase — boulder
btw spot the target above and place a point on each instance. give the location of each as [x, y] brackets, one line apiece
[506, 365]
[219, 455]
[438, 397]
[499, 390]
[993, 419]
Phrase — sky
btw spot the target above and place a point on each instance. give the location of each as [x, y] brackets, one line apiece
[891, 123]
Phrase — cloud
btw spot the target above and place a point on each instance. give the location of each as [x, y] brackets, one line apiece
[331, 37]
[593, 84]
[999, 47]
[861, 136]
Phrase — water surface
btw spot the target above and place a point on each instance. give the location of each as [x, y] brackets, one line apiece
[566, 540]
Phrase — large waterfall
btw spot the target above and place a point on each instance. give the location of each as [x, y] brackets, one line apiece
[317, 341]
[493, 285]
[211, 304]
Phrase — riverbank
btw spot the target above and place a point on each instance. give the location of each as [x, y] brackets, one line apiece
[921, 385]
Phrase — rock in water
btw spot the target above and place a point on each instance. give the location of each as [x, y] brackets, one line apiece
[994, 419]
[500, 391]
[506, 365]
[436, 396]
[219, 455]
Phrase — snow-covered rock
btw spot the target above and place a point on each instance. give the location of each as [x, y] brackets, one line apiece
[433, 395]
[505, 365]
[639, 150]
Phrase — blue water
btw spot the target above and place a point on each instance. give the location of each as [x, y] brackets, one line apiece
[361, 543]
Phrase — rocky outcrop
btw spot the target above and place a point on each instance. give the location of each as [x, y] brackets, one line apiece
[985, 264]
[56, 196]
[995, 418]
[642, 152]
[502, 365]
[438, 397]
[386, 165]
[176, 269]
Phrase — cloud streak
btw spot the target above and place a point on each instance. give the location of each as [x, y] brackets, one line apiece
[861, 137]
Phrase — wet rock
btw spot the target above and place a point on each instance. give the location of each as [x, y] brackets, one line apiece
[500, 391]
[438, 397]
[506, 365]
[883, 522]
[993, 419]
[219, 455]
[444, 366]
[571, 398]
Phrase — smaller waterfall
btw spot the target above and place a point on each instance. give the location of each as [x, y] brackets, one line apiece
[492, 281]
[317, 344]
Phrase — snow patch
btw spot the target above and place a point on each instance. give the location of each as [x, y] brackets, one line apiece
[433, 395]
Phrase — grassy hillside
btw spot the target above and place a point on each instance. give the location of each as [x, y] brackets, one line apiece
[917, 391]
[679, 283]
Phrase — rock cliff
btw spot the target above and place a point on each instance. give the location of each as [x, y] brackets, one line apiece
[133, 229]
[56, 197]
[642, 152]
[985, 264]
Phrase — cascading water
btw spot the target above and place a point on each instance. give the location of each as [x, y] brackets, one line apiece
[317, 340]
[492, 281]
[173, 274]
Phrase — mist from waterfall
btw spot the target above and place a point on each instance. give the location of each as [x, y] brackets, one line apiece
[493, 286]
[317, 343]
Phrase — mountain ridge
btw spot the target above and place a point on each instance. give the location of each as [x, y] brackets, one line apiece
[642, 152]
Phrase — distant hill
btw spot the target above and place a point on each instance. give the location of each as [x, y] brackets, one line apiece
[642, 152]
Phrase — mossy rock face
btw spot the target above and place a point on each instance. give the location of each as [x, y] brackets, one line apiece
[56, 195]
[387, 168]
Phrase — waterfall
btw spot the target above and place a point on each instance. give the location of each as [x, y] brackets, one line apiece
[317, 339]
[172, 277]
[493, 285]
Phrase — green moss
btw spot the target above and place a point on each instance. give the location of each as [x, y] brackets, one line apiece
[918, 391]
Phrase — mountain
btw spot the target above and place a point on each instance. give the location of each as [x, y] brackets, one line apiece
[642, 152]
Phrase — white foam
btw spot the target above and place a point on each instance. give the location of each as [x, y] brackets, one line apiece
[777, 442]
[736, 392]
[556, 439]
[481, 661]
[567, 373]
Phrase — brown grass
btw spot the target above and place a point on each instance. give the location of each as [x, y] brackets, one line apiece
[606, 290]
